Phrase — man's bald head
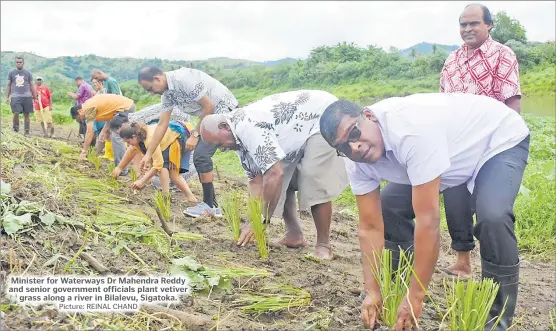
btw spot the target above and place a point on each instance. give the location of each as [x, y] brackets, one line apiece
[215, 130]
[475, 23]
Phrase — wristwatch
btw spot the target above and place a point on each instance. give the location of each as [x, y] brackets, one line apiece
[195, 134]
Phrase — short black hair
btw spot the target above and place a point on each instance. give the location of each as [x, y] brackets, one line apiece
[20, 58]
[78, 78]
[487, 17]
[118, 120]
[74, 111]
[332, 116]
[148, 73]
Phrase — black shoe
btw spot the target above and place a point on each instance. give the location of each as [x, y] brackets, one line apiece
[508, 278]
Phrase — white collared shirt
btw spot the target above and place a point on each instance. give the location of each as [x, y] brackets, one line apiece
[277, 127]
[435, 134]
[187, 86]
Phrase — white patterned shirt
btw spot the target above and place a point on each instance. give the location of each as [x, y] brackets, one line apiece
[437, 134]
[187, 86]
[277, 127]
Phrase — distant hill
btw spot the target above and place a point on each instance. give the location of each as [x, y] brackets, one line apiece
[122, 69]
[425, 48]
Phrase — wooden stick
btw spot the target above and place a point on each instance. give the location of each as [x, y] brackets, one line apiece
[94, 263]
[195, 322]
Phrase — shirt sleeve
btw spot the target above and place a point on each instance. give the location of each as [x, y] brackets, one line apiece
[48, 95]
[362, 178]
[195, 90]
[262, 145]
[507, 82]
[80, 91]
[91, 114]
[250, 169]
[158, 160]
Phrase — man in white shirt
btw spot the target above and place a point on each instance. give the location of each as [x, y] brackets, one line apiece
[192, 92]
[423, 144]
[281, 150]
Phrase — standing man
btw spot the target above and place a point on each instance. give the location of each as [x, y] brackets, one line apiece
[20, 93]
[485, 67]
[103, 108]
[44, 115]
[423, 144]
[84, 93]
[282, 151]
[110, 84]
[192, 92]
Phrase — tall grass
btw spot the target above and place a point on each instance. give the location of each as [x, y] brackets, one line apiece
[93, 157]
[469, 303]
[254, 214]
[232, 212]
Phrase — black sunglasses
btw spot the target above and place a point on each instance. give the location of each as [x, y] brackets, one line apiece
[344, 149]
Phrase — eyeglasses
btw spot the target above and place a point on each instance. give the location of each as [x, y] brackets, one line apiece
[344, 149]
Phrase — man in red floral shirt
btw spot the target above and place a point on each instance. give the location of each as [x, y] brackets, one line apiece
[45, 115]
[485, 67]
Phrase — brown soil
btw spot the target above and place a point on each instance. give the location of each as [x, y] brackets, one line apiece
[334, 285]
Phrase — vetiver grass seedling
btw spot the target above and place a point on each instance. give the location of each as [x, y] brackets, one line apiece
[163, 202]
[254, 214]
[232, 213]
[287, 297]
[133, 174]
[393, 284]
[469, 303]
[93, 157]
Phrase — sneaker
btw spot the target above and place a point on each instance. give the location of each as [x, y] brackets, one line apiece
[202, 209]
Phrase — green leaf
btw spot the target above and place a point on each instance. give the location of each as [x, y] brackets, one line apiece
[188, 262]
[48, 218]
[27, 207]
[13, 223]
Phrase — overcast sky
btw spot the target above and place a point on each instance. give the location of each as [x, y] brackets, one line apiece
[256, 31]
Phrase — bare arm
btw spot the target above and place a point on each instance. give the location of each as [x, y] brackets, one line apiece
[426, 204]
[33, 89]
[89, 136]
[8, 89]
[269, 187]
[208, 108]
[371, 237]
[514, 103]
[128, 156]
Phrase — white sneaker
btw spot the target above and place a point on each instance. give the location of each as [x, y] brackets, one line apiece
[202, 209]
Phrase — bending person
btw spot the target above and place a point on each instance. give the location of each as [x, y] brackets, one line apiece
[170, 158]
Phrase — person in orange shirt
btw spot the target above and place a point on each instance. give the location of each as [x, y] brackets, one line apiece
[170, 158]
[102, 108]
[45, 115]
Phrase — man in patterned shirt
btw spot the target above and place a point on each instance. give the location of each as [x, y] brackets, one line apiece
[485, 67]
[282, 151]
[192, 92]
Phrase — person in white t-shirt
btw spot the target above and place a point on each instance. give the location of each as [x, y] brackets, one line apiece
[281, 150]
[423, 144]
[191, 92]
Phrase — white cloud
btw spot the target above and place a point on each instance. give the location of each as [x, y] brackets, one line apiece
[249, 30]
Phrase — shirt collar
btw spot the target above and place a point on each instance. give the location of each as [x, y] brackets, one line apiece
[170, 80]
[381, 120]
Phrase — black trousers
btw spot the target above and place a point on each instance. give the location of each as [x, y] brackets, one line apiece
[496, 188]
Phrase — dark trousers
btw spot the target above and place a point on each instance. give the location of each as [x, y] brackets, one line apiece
[496, 188]
[202, 156]
[459, 216]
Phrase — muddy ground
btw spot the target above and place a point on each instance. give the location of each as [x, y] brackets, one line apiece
[334, 286]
